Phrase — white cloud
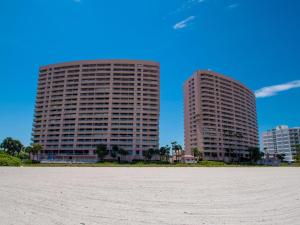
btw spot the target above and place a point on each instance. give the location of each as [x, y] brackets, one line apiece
[232, 6]
[183, 23]
[273, 90]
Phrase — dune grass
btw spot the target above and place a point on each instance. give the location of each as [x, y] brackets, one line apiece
[7, 160]
[139, 164]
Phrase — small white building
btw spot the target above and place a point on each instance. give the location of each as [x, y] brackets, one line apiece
[188, 159]
[281, 140]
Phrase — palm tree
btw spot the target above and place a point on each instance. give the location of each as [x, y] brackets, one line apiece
[35, 150]
[164, 152]
[254, 154]
[280, 156]
[101, 151]
[148, 154]
[196, 153]
[123, 152]
[114, 151]
[176, 148]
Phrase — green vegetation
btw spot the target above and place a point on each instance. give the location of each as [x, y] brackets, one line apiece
[34, 150]
[197, 154]
[123, 153]
[148, 154]
[164, 153]
[255, 154]
[13, 153]
[117, 151]
[297, 156]
[280, 157]
[114, 151]
[151, 164]
[29, 162]
[177, 150]
[7, 160]
[11, 146]
[101, 152]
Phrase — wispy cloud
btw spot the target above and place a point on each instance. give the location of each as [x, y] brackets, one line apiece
[184, 23]
[233, 6]
[77, 1]
[275, 89]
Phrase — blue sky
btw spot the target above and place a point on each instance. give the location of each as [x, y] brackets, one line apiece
[253, 41]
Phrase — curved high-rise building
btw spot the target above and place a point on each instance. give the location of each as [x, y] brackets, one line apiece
[219, 117]
[83, 104]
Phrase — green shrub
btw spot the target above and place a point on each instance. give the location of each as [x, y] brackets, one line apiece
[29, 161]
[7, 160]
[23, 155]
[211, 163]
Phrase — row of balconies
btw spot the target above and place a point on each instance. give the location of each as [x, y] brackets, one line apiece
[39, 118]
[96, 127]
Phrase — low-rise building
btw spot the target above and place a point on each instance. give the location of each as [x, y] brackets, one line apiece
[188, 159]
[281, 140]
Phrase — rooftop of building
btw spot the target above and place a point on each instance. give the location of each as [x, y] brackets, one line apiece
[207, 71]
[99, 61]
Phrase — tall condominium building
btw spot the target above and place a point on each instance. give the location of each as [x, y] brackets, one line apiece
[281, 140]
[83, 104]
[219, 117]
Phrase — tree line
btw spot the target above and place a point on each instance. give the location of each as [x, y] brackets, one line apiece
[15, 148]
[161, 154]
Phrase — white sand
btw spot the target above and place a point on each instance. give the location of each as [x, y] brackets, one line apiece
[134, 196]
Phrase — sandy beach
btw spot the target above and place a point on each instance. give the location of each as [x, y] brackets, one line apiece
[134, 196]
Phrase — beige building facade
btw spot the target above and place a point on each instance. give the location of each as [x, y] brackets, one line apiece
[219, 117]
[82, 104]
